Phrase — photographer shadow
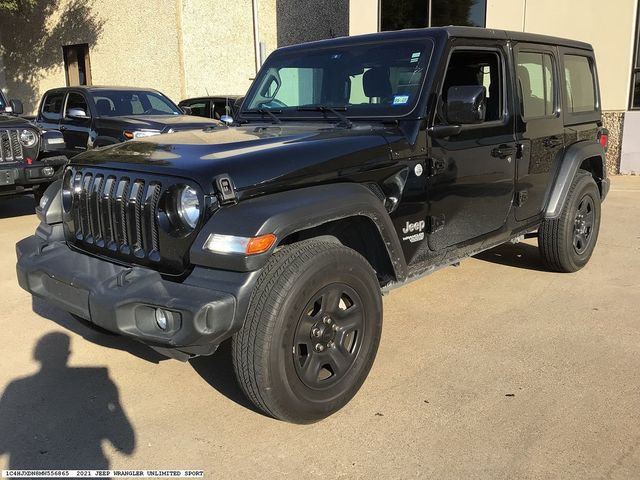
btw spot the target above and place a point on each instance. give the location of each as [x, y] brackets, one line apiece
[59, 417]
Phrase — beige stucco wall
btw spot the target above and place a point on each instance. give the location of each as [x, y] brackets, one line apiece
[180, 47]
[609, 30]
[219, 51]
[363, 16]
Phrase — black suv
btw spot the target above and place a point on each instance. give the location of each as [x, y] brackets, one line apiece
[30, 158]
[91, 117]
[360, 164]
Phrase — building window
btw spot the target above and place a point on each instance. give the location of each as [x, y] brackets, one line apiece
[77, 67]
[400, 14]
[635, 75]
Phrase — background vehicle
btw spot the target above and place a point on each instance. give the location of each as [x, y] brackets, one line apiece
[213, 107]
[29, 158]
[360, 163]
[91, 117]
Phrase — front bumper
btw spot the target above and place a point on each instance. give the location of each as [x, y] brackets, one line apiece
[19, 178]
[124, 299]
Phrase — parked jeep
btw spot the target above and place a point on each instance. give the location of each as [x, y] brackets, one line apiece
[91, 117]
[360, 164]
[29, 158]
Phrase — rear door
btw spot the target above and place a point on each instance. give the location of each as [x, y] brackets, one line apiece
[471, 186]
[539, 125]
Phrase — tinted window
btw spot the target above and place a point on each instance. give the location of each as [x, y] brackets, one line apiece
[76, 100]
[112, 103]
[581, 93]
[400, 14]
[536, 86]
[52, 106]
[477, 68]
[221, 108]
[199, 108]
[364, 80]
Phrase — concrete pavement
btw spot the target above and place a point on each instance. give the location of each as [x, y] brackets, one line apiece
[492, 370]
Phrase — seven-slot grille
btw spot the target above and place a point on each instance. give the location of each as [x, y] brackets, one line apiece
[116, 212]
[10, 146]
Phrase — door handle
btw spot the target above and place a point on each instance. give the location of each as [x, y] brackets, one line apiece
[503, 151]
[62, 129]
[552, 142]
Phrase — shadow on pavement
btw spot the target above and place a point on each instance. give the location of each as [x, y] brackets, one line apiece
[94, 334]
[519, 255]
[58, 417]
[217, 371]
[17, 206]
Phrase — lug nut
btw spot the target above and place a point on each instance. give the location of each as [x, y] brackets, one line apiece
[330, 344]
[319, 347]
[335, 327]
[316, 332]
[327, 319]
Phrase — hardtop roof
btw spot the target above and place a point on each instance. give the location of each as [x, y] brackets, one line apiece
[444, 33]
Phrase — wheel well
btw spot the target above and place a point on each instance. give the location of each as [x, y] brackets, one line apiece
[595, 166]
[358, 233]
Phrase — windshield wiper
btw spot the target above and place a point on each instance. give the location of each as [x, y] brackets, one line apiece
[324, 108]
[268, 111]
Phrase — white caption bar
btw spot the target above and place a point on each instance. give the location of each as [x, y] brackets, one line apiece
[102, 473]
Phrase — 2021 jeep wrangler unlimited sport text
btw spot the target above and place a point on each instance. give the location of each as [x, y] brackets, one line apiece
[357, 164]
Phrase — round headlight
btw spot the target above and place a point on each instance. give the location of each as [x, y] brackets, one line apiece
[189, 206]
[28, 138]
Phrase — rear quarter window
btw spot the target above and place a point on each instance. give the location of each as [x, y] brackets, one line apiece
[580, 84]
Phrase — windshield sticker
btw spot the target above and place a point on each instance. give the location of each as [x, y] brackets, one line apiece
[415, 56]
[400, 99]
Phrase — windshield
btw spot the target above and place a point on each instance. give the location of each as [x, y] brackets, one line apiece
[361, 80]
[115, 103]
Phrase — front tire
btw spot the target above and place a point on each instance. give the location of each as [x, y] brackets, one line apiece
[311, 333]
[567, 242]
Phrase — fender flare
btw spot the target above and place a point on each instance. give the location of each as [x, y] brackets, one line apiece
[569, 166]
[291, 211]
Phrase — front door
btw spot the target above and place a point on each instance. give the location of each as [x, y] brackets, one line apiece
[74, 128]
[471, 187]
[539, 125]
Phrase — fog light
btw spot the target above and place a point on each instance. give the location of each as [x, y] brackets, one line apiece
[162, 319]
[48, 171]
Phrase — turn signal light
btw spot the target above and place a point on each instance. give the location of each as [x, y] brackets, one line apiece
[260, 244]
[241, 245]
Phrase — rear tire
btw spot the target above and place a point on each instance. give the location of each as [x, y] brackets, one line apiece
[311, 333]
[567, 242]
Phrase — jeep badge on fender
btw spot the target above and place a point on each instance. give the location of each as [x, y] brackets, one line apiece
[282, 230]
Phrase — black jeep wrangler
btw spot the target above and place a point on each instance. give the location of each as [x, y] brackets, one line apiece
[29, 157]
[359, 164]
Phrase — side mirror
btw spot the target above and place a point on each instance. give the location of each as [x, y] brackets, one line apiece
[228, 119]
[51, 141]
[77, 113]
[466, 104]
[16, 107]
[187, 110]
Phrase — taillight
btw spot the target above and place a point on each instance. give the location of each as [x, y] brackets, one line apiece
[603, 138]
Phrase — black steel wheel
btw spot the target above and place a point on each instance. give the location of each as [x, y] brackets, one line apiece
[311, 333]
[567, 242]
[329, 335]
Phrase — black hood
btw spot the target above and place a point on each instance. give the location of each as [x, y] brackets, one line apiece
[159, 122]
[258, 158]
[11, 121]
